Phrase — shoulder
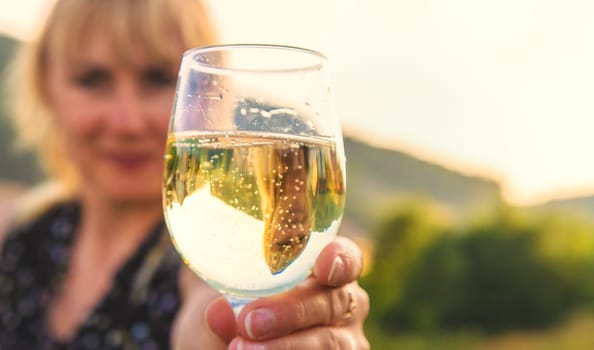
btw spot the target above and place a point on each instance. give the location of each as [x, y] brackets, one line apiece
[31, 251]
[36, 206]
[38, 201]
[9, 194]
[54, 223]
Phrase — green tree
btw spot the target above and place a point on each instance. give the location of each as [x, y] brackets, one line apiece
[511, 270]
[400, 241]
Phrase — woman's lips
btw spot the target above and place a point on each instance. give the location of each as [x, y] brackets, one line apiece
[129, 161]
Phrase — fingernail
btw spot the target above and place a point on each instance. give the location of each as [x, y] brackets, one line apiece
[259, 322]
[336, 271]
[241, 345]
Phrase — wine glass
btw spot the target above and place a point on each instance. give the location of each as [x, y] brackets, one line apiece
[254, 183]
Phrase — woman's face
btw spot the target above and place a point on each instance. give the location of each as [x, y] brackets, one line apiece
[114, 118]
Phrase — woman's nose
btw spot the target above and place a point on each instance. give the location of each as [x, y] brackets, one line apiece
[126, 115]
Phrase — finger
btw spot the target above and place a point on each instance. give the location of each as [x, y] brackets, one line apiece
[315, 338]
[304, 307]
[340, 262]
[221, 319]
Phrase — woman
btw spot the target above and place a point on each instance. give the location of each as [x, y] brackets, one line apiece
[95, 270]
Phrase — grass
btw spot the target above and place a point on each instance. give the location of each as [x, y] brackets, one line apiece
[577, 333]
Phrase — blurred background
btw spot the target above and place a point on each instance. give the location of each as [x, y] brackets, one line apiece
[468, 132]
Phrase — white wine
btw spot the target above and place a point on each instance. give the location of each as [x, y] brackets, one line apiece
[250, 212]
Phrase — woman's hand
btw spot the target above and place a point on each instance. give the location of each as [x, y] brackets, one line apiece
[326, 311]
[190, 329]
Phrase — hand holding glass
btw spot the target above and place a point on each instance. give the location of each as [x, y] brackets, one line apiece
[254, 182]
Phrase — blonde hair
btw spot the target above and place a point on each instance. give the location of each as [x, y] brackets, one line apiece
[161, 27]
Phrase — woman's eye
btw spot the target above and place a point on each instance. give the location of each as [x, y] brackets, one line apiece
[92, 78]
[158, 78]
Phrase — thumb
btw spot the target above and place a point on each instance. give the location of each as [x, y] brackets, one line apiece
[339, 263]
[221, 319]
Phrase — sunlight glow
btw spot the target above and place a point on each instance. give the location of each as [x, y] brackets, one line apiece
[502, 88]
[19, 18]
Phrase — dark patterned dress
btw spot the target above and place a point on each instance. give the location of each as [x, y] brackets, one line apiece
[137, 313]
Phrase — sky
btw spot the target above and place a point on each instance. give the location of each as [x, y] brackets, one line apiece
[503, 89]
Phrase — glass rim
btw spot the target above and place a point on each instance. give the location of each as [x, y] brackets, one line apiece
[188, 57]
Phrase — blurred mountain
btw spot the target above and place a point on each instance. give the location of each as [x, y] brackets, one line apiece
[7, 46]
[15, 166]
[378, 177]
[580, 205]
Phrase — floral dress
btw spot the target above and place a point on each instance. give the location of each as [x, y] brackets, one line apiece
[137, 313]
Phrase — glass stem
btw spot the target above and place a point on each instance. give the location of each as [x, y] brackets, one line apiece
[237, 303]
